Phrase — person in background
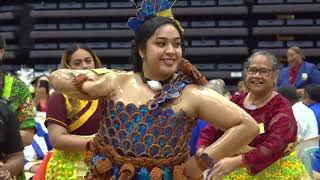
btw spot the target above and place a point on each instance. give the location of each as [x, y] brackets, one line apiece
[19, 99]
[241, 88]
[149, 112]
[11, 156]
[311, 98]
[269, 154]
[72, 122]
[307, 122]
[41, 92]
[219, 86]
[40, 146]
[299, 73]
[307, 126]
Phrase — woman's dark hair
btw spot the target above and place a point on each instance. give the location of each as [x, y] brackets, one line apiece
[147, 29]
[313, 91]
[66, 56]
[289, 92]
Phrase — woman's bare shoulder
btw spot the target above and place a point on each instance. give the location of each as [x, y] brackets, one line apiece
[194, 89]
[124, 74]
[198, 92]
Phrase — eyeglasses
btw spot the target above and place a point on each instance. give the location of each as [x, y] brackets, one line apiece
[262, 71]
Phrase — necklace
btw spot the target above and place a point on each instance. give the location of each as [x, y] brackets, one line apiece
[255, 105]
[153, 84]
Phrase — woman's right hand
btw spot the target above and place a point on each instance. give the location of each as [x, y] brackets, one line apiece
[192, 170]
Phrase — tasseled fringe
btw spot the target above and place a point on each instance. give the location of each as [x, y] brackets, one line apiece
[127, 172]
[187, 68]
[103, 166]
[178, 173]
[156, 174]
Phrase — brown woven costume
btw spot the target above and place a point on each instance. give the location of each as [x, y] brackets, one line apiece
[150, 137]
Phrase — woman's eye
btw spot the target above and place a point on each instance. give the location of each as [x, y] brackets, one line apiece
[88, 61]
[178, 44]
[76, 63]
[161, 44]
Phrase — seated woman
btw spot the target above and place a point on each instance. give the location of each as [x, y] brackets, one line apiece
[268, 156]
[149, 113]
[71, 122]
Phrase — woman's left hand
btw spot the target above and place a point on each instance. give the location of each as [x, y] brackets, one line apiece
[224, 167]
[4, 173]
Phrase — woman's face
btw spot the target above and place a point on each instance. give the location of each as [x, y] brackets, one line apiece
[294, 59]
[81, 59]
[260, 76]
[162, 53]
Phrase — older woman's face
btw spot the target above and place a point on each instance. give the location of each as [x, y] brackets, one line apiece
[260, 76]
[81, 59]
[294, 59]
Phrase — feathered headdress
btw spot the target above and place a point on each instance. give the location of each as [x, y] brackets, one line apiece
[151, 8]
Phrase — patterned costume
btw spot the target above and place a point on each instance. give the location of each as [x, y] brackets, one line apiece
[268, 158]
[70, 165]
[149, 141]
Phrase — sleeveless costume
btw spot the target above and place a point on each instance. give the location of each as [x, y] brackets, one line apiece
[149, 141]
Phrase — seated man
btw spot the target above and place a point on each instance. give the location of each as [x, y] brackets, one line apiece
[39, 147]
[11, 155]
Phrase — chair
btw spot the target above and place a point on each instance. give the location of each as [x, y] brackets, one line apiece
[313, 142]
[305, 151]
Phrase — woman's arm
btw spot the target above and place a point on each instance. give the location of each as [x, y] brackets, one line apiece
[58, 121]
[240, 128]
[62, 140]
[14, 163]
[279, 138]
[280, 134]
[96, 83]
[27, 136]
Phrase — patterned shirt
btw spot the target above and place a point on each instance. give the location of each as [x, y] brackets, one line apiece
[19, 99]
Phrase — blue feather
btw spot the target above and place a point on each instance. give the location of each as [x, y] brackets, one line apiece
[143, 174]
[167, 174]
[148, 8]
[116, 171]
